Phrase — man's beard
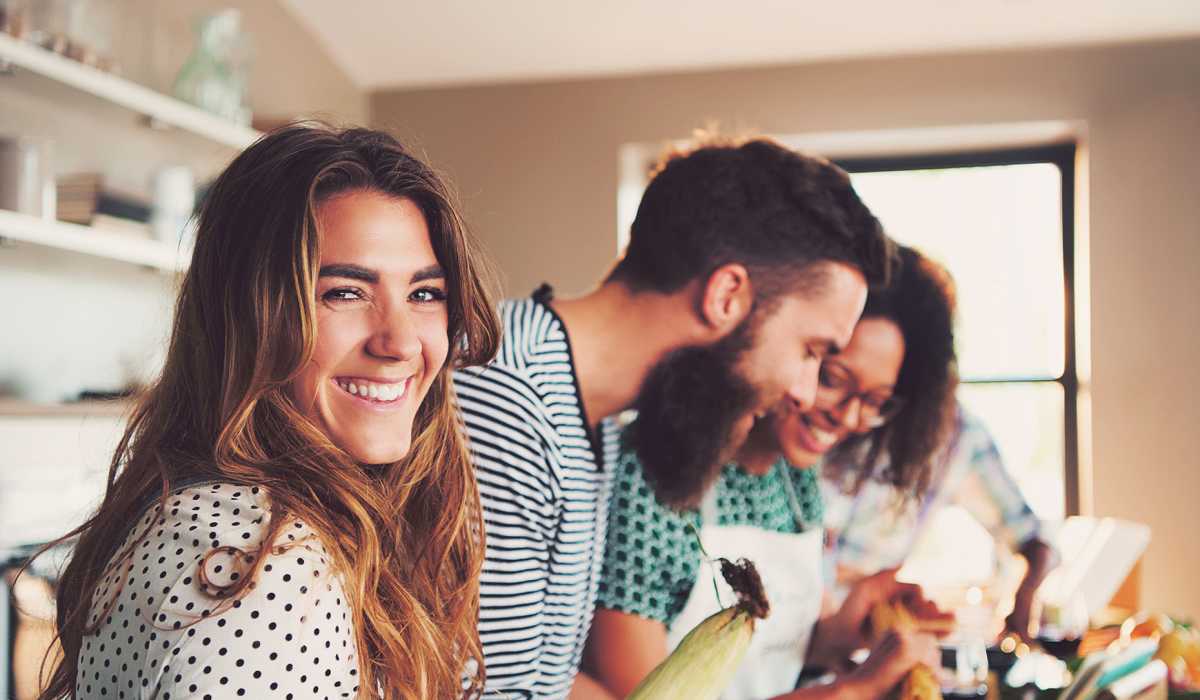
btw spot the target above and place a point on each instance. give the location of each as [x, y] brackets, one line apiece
[688, 408]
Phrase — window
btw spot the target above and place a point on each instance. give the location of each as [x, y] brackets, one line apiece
[1002, 223]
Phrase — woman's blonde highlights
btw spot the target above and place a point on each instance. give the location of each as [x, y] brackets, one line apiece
[405, 538]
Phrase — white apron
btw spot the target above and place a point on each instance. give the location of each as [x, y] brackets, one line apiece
[790, 567]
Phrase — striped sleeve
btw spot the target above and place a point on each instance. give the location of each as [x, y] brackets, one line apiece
[511, 446]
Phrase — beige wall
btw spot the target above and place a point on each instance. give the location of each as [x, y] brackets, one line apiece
[537, 167]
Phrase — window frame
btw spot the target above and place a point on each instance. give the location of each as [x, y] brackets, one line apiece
[1063, 156]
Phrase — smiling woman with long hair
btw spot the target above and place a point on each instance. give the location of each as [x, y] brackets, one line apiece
[292, 511]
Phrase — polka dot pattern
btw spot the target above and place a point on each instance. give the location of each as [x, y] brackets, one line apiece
[652, 558]
[165, 632]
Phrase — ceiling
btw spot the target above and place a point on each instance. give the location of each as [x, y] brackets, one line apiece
[401, 43]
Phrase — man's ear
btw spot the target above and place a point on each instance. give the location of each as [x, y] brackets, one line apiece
[728, 298]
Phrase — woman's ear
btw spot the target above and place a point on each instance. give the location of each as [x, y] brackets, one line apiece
[728, 298]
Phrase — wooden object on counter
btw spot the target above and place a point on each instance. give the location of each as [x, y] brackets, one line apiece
[1129, 595]
[35, 635]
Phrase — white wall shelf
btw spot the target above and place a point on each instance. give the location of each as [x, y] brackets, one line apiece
[49, 71]
[92, 241]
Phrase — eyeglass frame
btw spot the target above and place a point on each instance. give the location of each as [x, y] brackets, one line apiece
[870, 416]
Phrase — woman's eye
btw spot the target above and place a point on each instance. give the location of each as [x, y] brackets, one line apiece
[428, 295]
[342, 294]
[878, 402]
[830, 378]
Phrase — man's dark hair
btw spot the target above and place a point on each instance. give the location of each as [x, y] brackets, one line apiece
[757, 203]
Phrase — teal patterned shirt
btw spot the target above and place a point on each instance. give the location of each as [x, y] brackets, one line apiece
[653, 559]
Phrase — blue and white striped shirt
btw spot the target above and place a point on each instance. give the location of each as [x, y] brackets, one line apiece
[545, 501]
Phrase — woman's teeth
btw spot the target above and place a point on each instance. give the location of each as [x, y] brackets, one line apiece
[373, 391]
[823, 437]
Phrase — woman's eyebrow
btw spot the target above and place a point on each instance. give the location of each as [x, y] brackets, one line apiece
[354, 272]
[432, 272]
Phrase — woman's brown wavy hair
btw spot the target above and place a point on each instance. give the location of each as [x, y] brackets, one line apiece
[920, 300]
[406, 537]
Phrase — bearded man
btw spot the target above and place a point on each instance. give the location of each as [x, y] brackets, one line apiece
[747, 264]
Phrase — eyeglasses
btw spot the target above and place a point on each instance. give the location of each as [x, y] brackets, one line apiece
[837, 387]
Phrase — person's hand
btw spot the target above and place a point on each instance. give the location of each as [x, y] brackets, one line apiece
[1040, 558]
[1018, 620]
[892, 657]
[849, 629]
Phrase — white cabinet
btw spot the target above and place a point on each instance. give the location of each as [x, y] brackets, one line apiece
[87, 110]
[82, 307]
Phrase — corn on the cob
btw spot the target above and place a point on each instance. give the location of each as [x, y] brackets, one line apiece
[891, 616]
[920, 683]
[706, 660]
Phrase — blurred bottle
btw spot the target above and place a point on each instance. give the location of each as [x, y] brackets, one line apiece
[973, 625]
[174, 199]
[215, 76]
[27, 177]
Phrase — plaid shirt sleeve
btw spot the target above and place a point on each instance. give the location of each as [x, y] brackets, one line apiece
[868, 531]
[986, 488]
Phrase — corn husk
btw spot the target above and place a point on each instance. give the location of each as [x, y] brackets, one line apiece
[705, 662]
[707, 659]
[920, 683]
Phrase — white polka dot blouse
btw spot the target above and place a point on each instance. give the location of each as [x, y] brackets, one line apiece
[164, 633]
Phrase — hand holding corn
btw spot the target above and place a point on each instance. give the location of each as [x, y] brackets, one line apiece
[920, 683]
[849, 629]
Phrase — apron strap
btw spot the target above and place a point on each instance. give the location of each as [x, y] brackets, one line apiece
[709, 514]
[793, 499]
